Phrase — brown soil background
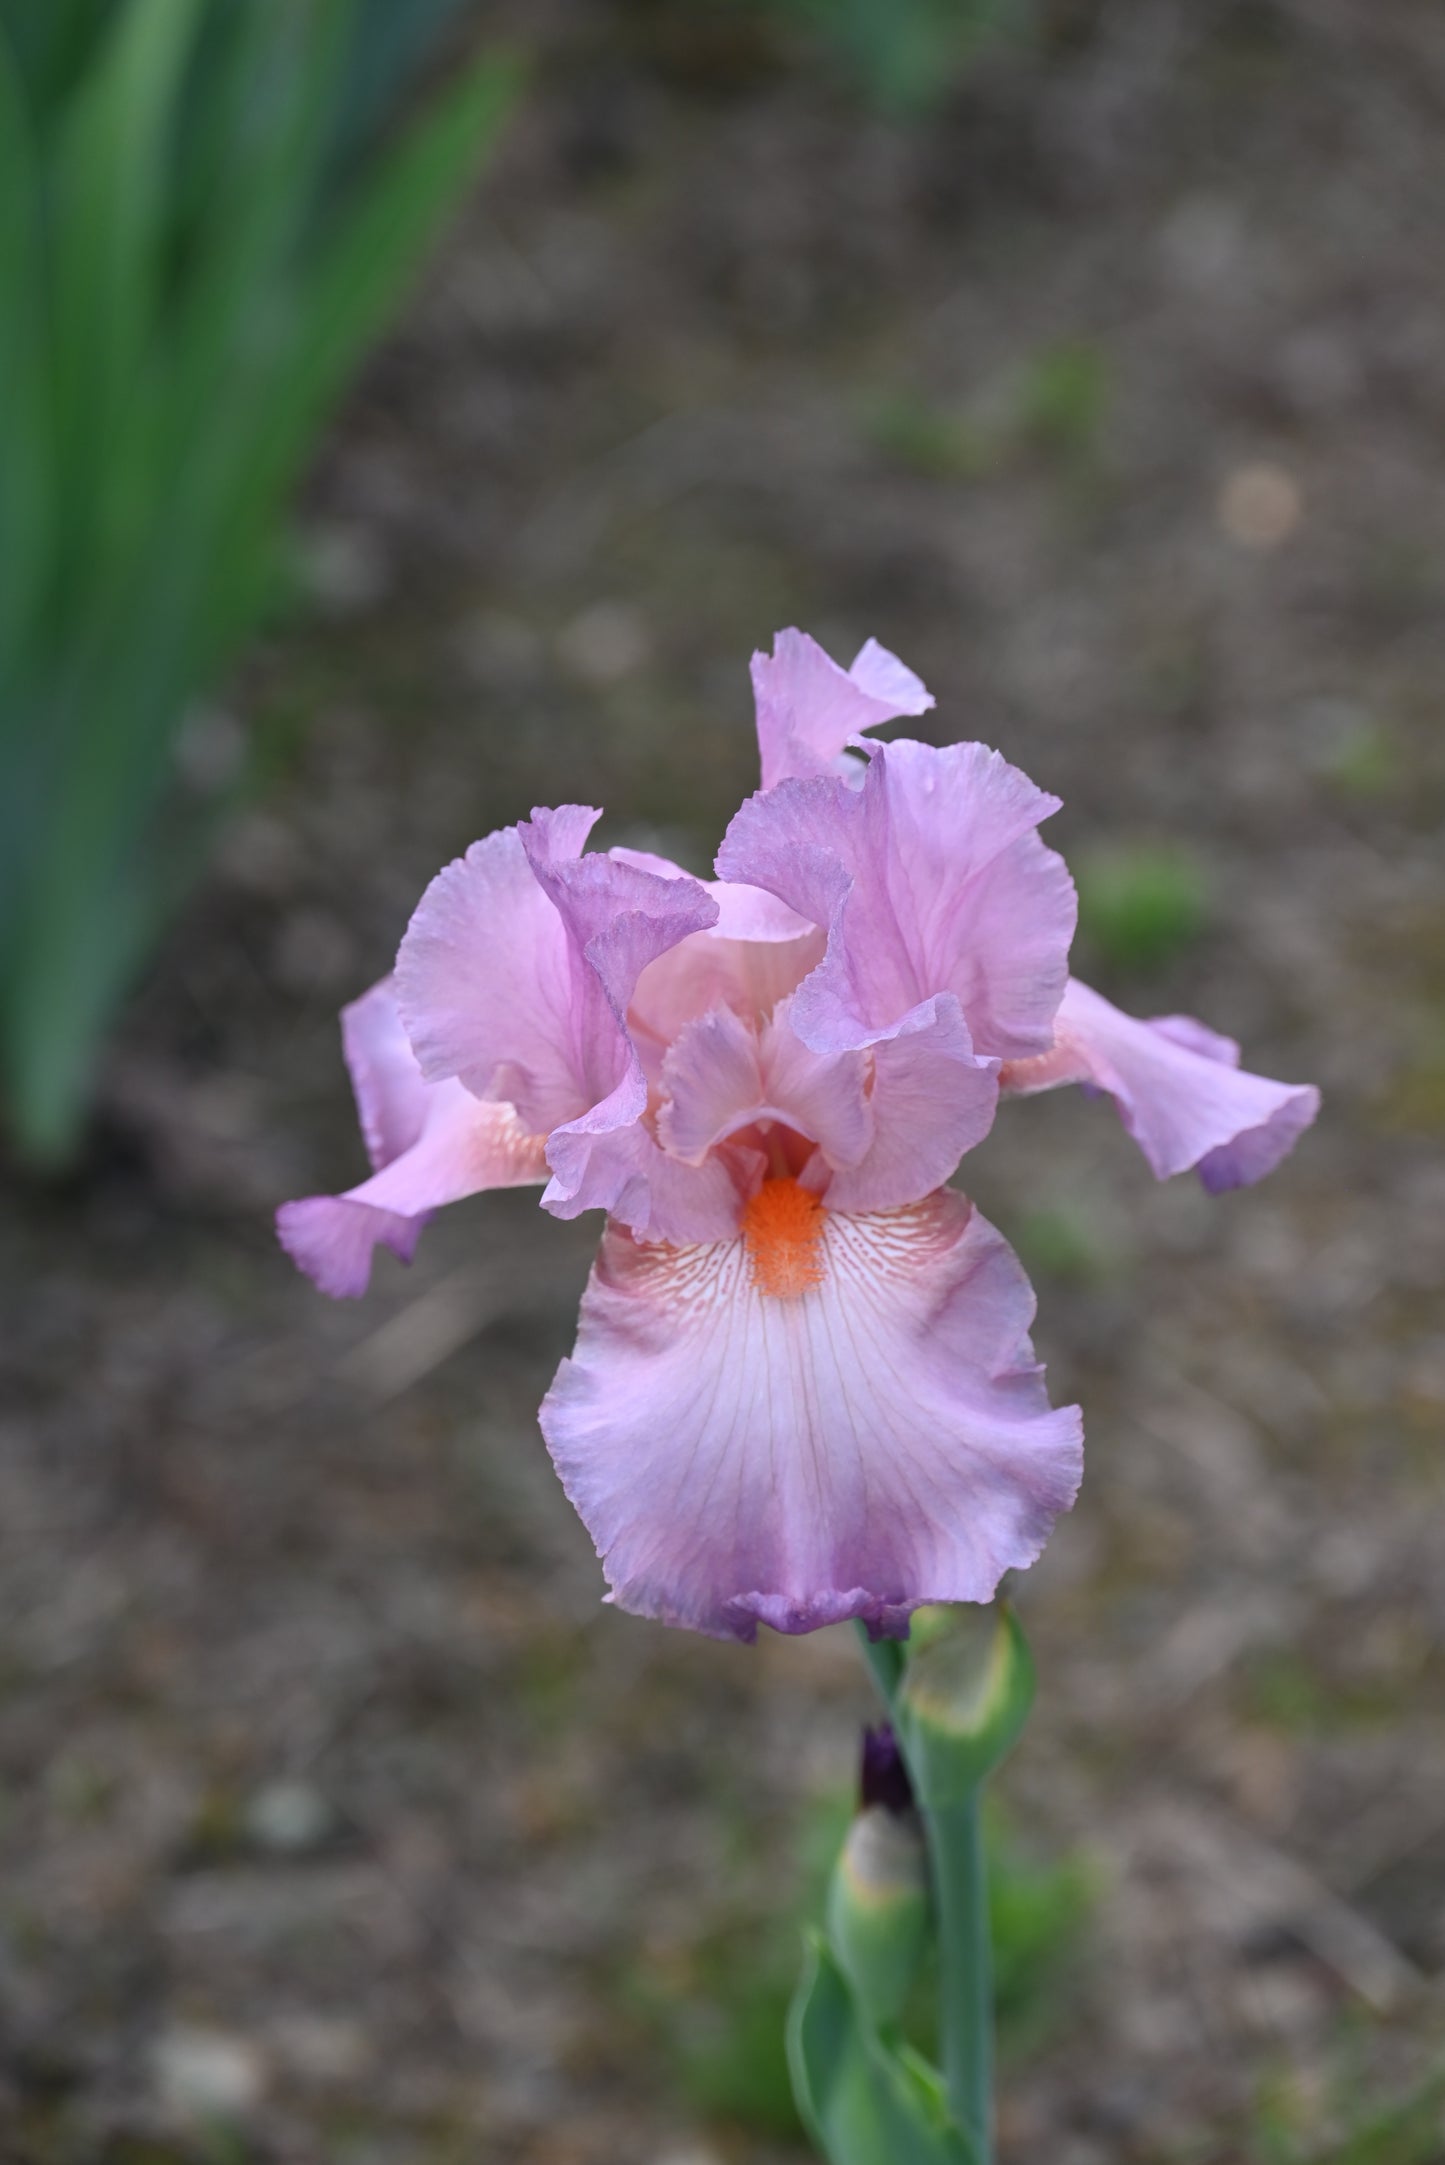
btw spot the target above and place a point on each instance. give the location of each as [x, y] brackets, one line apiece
[319, 1754]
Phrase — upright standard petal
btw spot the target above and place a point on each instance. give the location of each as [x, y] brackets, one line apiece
[430, 1144]
[486, 979]
[832, 1416]
[515, 976]
[618, 918]
[1179, 1088]
[930, 880]
[754, 956]
[809, 710]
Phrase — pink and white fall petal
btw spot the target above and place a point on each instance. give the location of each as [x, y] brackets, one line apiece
[1180, 1090]
[877, 1440]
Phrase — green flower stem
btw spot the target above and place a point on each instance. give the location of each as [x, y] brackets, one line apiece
[965, 2014]
[885, 1661]
[959, 1874]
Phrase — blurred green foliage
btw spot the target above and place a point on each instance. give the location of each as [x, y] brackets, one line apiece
[1063, 399]
[905, 55]
[930, 439]
[1054, 407]
[725, 2032]
[1282, 1689]
[1038, 1914]
[1413, 1099]
[1407, 2131]
[1290, 1689]
[1140, 905]
[1366, 762]
[1064, 1241]
[200, 232]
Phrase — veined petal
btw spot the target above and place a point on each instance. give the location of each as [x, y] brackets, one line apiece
[751, 914]
[464, 1147]
[878, 1439]
[929, 879]
[1179, 1088]
[809, 709]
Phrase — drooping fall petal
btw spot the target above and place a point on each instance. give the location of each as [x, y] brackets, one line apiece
[431, 1143]
[1180, 1090]
[832, 1416]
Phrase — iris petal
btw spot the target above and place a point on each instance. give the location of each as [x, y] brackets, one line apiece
[878, 1440]
[809, 709]
[430, 1144]
[929, 879]
[1180, 1090]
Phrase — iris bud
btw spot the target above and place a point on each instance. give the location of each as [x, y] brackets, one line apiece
[878, 1900]
[965, 1696]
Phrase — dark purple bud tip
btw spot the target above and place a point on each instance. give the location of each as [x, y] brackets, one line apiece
[884, 1778]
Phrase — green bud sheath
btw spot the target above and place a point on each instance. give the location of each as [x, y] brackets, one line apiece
[967, 1691]
[878, 1910]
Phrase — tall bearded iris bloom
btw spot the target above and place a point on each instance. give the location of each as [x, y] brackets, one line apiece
[803, 1387]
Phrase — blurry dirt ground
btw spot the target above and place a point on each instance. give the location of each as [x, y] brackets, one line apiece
[340, 1820]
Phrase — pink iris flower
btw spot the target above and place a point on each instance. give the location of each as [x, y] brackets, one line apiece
[803, 1387]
